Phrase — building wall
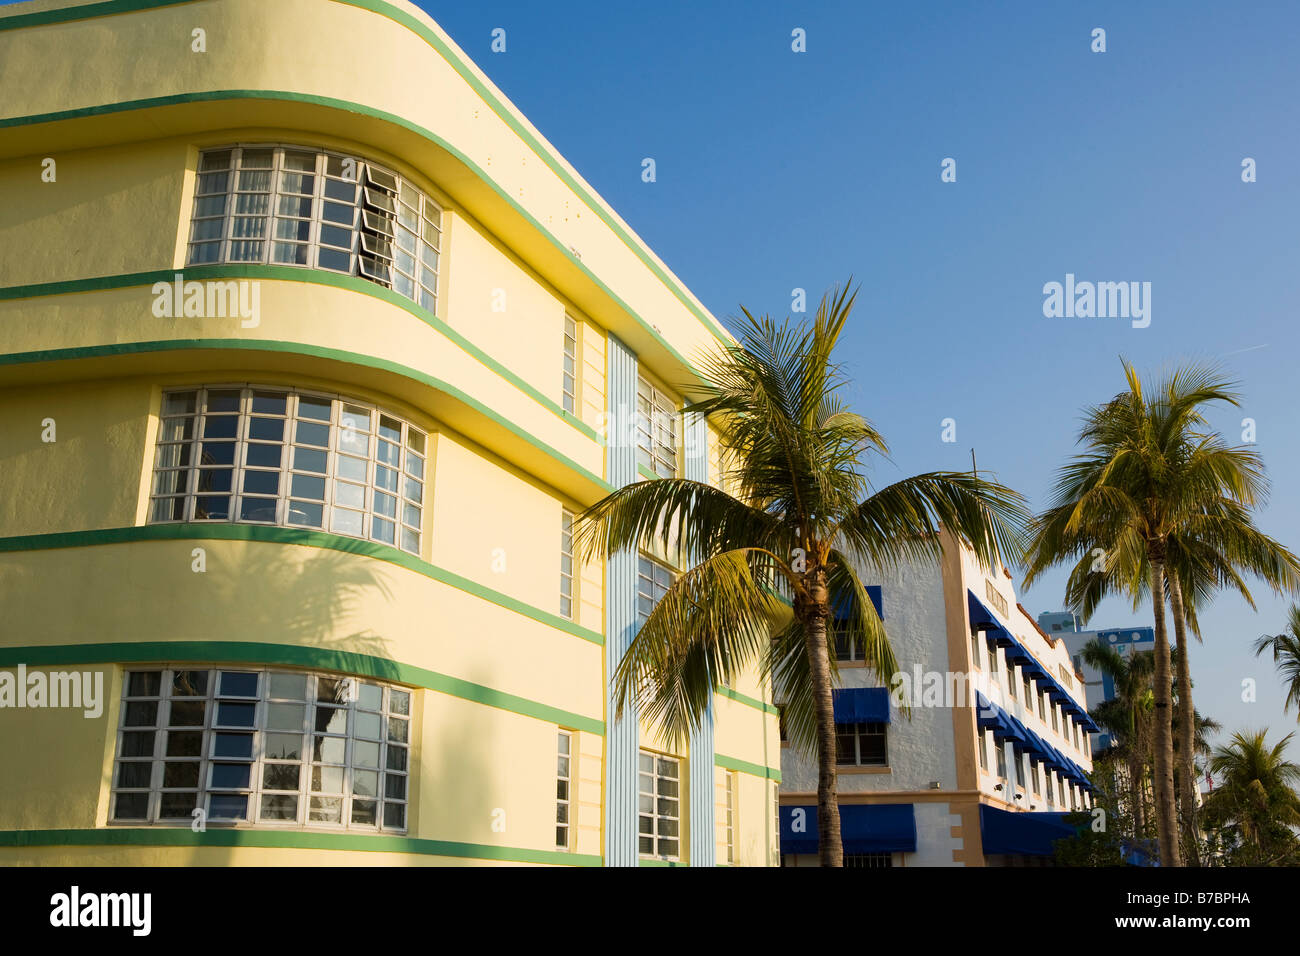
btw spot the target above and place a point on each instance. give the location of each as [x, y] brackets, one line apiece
[471, 623]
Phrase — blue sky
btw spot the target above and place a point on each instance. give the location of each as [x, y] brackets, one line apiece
[778, 170]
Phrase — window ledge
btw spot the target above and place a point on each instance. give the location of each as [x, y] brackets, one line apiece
[862, 770]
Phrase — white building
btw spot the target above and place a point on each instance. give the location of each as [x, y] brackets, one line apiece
[995, 751]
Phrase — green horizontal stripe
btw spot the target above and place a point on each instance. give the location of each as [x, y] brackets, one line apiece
[288, 840]
[66, 14]
[297, 348]
[298, 536]
[291, 655]
[315, 277]
[744, 766]
[750, 701]
[208, 96]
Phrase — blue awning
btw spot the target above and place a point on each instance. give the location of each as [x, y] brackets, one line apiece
[990, 716]
[1023, 833]
[840, 609]
[861, 705]
[864, 828]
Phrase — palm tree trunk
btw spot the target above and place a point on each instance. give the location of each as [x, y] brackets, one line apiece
[830, 846]
[1186, 724]
[1135, 790]
[1166, 816]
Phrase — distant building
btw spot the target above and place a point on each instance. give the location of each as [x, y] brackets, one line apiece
[1100, 686]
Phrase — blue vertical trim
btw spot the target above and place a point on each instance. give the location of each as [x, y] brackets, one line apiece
[702, 833]
[620, 614]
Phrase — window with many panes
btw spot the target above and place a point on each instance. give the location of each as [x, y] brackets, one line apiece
[563, 785]
[264, 747]
[869, 861]
[861, 745]
[566, 563]
[569, 379]
[292, 458]
[321, 210]
[658, 806]
[656, 430]
[652, 582]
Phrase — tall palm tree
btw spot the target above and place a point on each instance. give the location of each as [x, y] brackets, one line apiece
[802, 514]
[1286, 655]
[1127, 713]
[1255, 799]
[1150, 470]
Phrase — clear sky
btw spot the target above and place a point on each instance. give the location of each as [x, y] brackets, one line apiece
[778, 170]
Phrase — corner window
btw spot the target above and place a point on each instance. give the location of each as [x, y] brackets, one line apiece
[295, 459]
[659, 806]
[656, 430]
[262, 747]
[288, 206]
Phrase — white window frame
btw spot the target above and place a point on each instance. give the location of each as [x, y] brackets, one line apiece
[656, 430]
[374, 232]
[650, 586]
[569, 368]
[342, 431]
[388, 731]
[860, 731]
[564, 790]
[658, 819]
[568, 592]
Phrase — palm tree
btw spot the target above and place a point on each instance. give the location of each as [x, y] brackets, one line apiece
[803, 513]
[1210, 552]
[1255, 801]
[1286, 655]
[1150, 472]
[1127, 714]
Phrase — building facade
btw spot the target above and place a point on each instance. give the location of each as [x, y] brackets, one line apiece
[311, 348]
[994, 752]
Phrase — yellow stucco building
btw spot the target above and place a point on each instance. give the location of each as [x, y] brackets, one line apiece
[310, 348]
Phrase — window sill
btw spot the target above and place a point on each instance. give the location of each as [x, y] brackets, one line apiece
[854, 769]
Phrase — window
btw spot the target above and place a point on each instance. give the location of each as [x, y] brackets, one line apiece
[984, 749]
[656, 430]
[1029, 694]
[569, 381]
[1048, 789]
[652, 582]
[861, 745]
[729, 815]
[659, 806]
[847, 648]
[1033, 777]
[1042, 707]
[1000, 752]
[284, 457]
[320, 210]
[870, 861]
[1055, 724]
[975, 649]
[1060, 785]
[566, 563]
[993, 664]
[1013, 774]
[1011, 681]
[563, 781]
[272, 748]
